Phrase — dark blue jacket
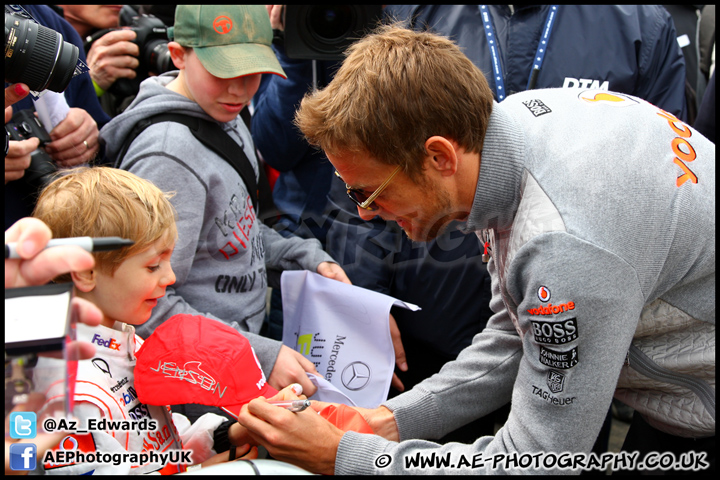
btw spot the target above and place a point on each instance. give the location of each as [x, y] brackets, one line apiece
[705, 122]
[305, 172]
[631, 47]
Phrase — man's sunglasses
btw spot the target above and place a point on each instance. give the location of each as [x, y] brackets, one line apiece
[363, 200]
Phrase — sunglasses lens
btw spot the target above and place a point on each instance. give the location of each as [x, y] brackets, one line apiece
[358, 198]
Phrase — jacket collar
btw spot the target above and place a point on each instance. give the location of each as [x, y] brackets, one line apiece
[502, 162]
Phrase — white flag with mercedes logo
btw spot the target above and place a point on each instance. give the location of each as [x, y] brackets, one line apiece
[344, 330]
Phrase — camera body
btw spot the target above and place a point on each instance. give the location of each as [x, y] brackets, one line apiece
[36, 55]
[25, 125]
[151, 39]
[323, 32]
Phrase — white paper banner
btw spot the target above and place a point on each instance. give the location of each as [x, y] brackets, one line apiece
[326, 391]
[344, 330]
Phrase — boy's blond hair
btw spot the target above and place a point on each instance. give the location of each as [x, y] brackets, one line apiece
[106, 202]
[397, 88]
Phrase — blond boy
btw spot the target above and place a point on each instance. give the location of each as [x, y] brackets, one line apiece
[125, 284]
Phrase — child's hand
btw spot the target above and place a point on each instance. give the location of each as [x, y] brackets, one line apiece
[334, 271]
[290, 367]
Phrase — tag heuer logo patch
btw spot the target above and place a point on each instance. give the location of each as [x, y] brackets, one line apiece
[555, 381]
[536, 107]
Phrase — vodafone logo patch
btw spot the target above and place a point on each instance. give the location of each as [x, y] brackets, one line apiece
[543, 293]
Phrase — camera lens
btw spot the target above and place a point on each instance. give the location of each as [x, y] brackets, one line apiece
[331, 23]
[159, 60]
[324, 32]
[37, 56]
[25, 129]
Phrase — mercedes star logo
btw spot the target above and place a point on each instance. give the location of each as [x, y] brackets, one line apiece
[355, 376]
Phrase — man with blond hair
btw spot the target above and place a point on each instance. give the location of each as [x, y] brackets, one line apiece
[597, 210]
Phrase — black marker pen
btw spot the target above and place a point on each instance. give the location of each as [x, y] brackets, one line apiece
[99, 244]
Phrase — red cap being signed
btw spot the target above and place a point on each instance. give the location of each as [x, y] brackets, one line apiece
[194, 359]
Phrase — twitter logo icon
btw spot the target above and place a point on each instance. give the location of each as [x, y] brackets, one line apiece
[23, 425]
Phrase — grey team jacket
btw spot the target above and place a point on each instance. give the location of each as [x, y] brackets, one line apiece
[600, 213]
[223, 250]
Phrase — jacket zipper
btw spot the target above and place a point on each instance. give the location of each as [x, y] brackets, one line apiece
[643, 364]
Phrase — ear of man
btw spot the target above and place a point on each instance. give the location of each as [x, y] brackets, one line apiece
[443, 155]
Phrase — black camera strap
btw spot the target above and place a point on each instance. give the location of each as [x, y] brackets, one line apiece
[212, 136]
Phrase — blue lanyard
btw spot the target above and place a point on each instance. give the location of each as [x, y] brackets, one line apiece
[495, 52]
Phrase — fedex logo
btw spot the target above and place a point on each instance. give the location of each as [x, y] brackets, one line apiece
[112, 344]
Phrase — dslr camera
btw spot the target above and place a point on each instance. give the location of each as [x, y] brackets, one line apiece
[24, 125]
[152, 40]
[36, 55]
[323, 32]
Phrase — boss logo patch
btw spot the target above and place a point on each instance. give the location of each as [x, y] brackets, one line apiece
[139, 412]
[536, 107]
[555, 381]
[557, 333]
[561, 360]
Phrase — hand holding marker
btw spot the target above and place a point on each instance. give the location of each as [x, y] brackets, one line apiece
[99, 244]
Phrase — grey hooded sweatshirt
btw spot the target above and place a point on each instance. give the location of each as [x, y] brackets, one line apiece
[223, 251]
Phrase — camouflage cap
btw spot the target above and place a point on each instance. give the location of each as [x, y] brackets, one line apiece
[229, 40]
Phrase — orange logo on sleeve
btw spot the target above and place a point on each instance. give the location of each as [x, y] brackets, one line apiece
[604, 97]
[615, 100]
[684, 152]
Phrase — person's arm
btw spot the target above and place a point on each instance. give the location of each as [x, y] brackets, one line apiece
[376, 239]
[80, 92]
[74, 139]
[292, 253]
[548, 402]
[113, 56]
[17, 157]
[37, 266]
[552, 392]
